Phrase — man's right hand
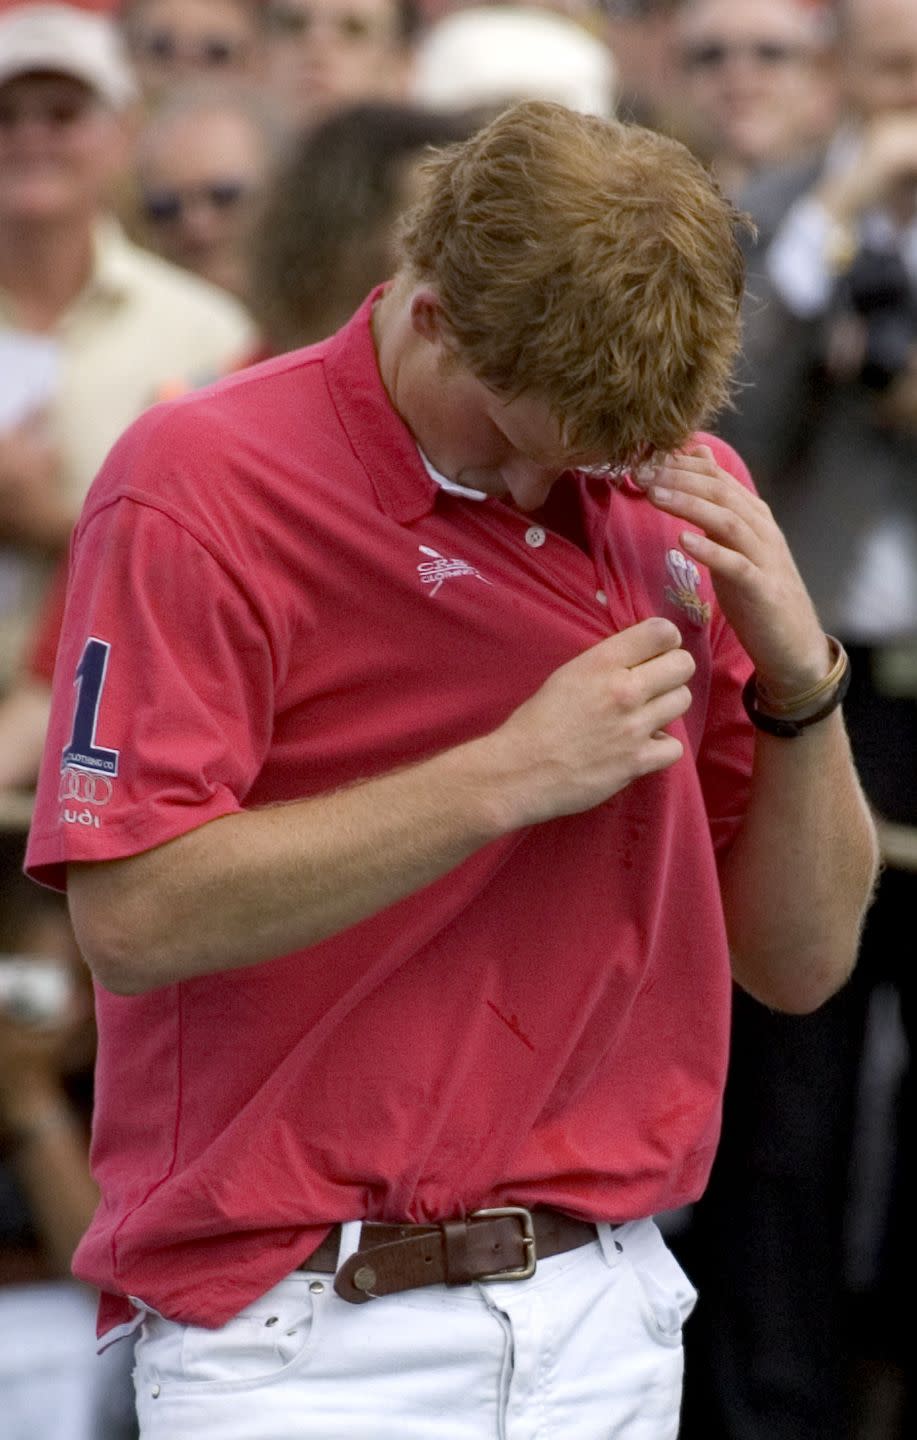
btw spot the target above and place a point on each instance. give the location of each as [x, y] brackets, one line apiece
[886, 162]
[596, 724]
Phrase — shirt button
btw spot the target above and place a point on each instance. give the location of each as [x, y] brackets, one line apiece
[535, 536]
[601, 597]
[316, 1287]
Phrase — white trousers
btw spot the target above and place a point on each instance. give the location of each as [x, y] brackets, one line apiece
[589, 1348]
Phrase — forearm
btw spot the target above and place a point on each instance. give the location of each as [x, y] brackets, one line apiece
[51, 1159]
[798, 879]
[23, 724]
[262, 883]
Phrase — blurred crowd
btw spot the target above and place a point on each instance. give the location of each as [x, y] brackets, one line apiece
[190, 186]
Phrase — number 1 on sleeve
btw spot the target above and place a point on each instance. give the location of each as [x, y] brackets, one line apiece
[82, 752]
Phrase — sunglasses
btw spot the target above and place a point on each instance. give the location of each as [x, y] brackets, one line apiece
[294, 22]
[168, 207]
[165, 47]
[53, 113]
[712, 55]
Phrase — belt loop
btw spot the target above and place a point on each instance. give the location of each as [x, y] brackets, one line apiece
[350, 1240]
[612, 1249]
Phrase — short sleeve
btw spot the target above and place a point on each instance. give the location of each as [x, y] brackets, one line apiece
[162, 704]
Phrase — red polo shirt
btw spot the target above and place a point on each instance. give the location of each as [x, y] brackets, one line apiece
[270, 597]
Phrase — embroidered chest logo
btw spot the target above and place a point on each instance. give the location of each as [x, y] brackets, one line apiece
[685, 592]
[436, 570]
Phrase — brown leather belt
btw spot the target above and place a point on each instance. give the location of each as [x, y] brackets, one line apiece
[502, 1244]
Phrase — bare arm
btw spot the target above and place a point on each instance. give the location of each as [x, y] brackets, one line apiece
[799, 877]
[24, 715]
[800, 874]
[263, 883]
[50, 1154]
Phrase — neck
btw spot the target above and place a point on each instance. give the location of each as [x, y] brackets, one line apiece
[383, 322]
[395, 341]
[44, 268]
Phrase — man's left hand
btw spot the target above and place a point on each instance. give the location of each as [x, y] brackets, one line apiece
[756, 580]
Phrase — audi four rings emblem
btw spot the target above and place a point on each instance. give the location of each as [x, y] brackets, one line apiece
[87, 789]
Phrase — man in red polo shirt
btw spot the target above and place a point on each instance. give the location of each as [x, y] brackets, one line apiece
[436, 713]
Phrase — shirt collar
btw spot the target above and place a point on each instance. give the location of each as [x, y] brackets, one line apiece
[383, 443]
[452, 487]
[113, 268]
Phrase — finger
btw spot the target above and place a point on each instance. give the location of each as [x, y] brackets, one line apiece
[700, 459]
[682, 475]
[660, 751]
[723, 561]
[710, 480]
[715, 485]
[668, 707]
[662, 674]
[640, 642]
[719, 522]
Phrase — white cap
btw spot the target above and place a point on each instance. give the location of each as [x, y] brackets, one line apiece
[66, 41]
[497, 54]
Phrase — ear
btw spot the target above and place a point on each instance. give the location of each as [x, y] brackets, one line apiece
[427, 314]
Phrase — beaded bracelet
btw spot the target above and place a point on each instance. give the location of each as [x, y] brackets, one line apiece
[760, 707]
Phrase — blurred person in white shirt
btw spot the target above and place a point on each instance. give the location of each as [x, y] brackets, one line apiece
[118, 323]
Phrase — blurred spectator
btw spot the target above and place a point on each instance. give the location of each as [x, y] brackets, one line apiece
[52, 1386]
[24, 713]
[834, 276]
[827, 420]
[91, 327]
[173, 41]
[758, 81]
[201, 163]
[638, 33]
[25, 707]
[327, 231]
[322, 54]
[492, 55]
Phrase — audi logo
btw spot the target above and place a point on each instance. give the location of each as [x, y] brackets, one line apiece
[86, 789]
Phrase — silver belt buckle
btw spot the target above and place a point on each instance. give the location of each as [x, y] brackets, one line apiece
[528, 1240]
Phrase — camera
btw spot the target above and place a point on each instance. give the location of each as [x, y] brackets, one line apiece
[34, 990]
[879, 290]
